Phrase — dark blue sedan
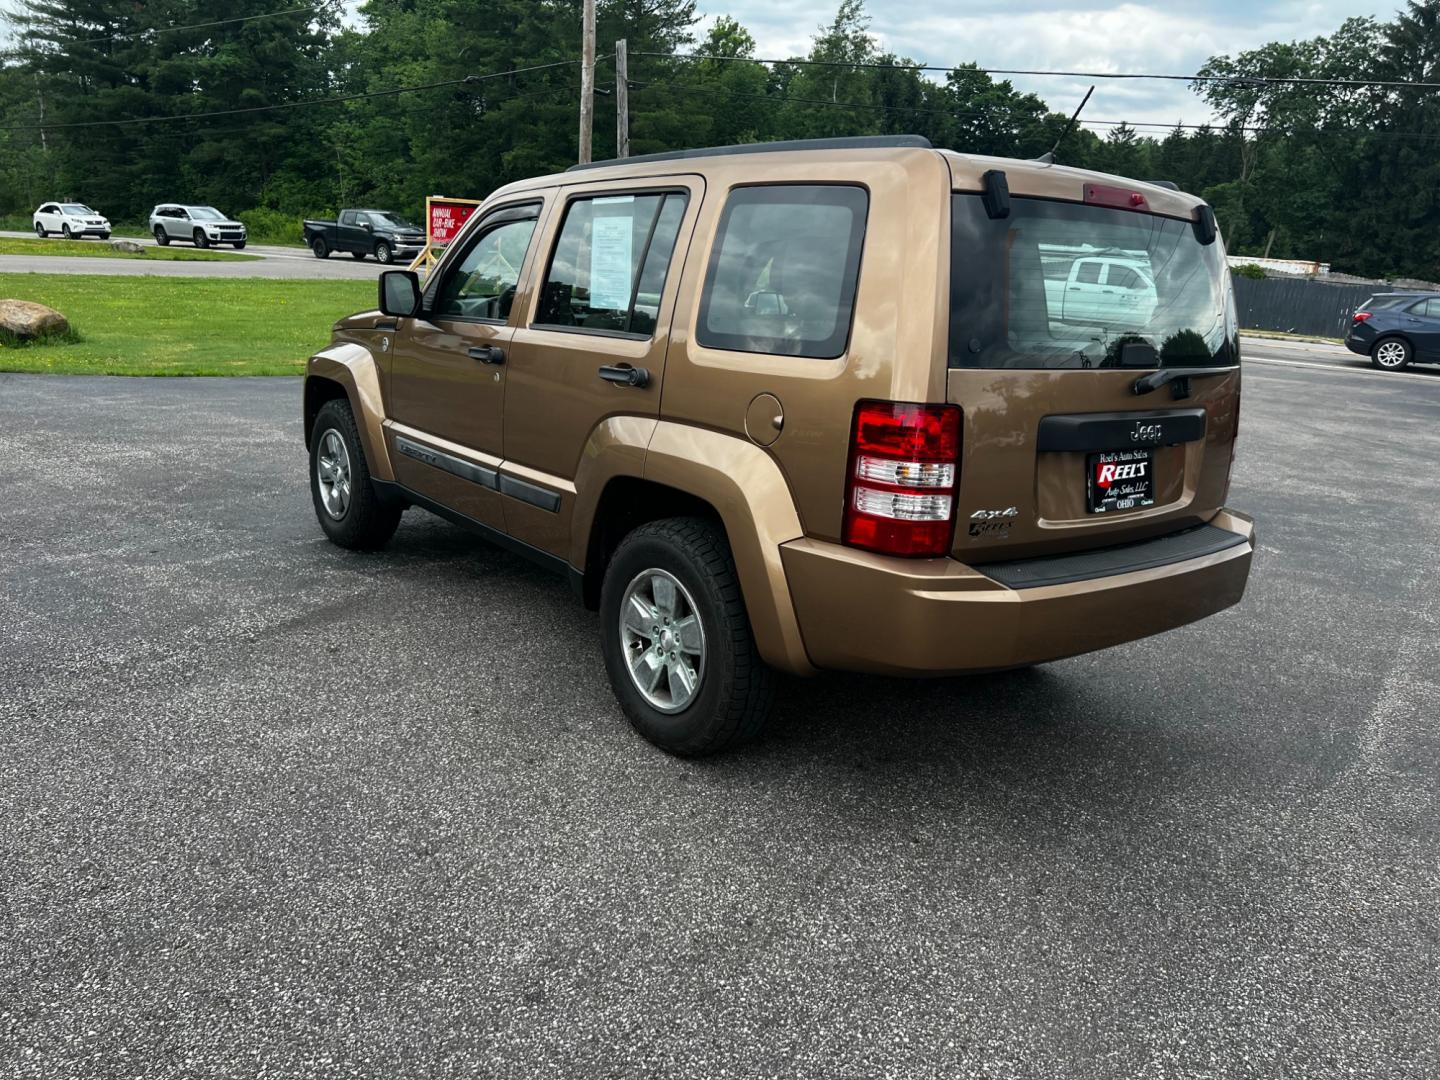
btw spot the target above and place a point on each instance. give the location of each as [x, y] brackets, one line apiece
[1397, 329]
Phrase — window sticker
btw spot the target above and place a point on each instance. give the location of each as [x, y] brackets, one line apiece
[611, 240]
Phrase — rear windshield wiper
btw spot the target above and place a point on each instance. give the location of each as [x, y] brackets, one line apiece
[1157, 379]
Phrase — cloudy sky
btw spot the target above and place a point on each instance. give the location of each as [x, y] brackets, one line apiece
[1060, 35]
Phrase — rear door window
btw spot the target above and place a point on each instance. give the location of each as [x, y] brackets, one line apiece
[784, 269]
[609, 265]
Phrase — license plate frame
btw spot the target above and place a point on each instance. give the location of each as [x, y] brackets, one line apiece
[1130, 486]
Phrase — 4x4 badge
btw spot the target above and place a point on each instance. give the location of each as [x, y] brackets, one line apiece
[993, 523]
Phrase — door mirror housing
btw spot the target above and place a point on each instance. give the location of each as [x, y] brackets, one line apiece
[400, 293]
[367, 226]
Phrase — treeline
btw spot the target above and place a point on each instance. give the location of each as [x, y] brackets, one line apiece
[1344, 173]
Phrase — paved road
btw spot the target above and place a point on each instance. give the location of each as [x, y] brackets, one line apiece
[275, 809]
[274, 262]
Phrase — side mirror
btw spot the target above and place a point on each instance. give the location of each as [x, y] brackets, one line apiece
[367, 226]
[400, 293]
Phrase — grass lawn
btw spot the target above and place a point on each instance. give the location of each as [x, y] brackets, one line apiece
[101, 249]
[182, 326]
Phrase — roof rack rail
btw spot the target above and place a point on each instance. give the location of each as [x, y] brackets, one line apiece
[855, 142]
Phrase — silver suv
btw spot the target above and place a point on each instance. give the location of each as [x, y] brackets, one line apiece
[201, 225]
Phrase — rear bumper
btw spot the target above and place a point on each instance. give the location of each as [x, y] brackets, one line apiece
[863, 612]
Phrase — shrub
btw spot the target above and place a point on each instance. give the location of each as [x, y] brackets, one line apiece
[266, 226]
[1251, 271]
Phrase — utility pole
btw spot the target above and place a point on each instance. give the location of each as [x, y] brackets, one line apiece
[587, 80]
[622, 99]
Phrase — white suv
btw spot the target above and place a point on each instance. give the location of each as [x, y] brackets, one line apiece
[202, 225]
[70, 220]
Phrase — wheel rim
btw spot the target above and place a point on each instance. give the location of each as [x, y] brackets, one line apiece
[664, 640]
[382, 253]
[39, 230]
[332, 474]
[1390, 354]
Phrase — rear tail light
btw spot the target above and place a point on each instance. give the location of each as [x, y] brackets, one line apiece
[1361, 316]
[900, 488]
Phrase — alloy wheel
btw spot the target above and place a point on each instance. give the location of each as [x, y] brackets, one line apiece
[332, 471]
[663, 639]
[1390, 354]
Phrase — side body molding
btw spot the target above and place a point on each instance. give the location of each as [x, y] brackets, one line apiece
[354, 367]
[745, 485]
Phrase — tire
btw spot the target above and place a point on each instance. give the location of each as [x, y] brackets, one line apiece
[730, 702]
[161, 236]
[320, 248]
[1391, 354]
[201, 240]
[384, 255]
[239, 245]
[357, 255]
[65, 231]
[104, 236]
[40, 230]
[360, 521]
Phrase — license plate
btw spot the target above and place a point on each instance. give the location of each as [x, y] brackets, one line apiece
[1120, 480]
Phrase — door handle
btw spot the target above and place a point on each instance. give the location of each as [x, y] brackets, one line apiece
[487, 354]
[625, 375]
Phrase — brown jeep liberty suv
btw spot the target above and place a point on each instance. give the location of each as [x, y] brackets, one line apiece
[844, 404]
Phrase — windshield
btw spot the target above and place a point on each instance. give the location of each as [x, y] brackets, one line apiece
[1068, 285]
[206, 213]
[394, 220]
[76, 208]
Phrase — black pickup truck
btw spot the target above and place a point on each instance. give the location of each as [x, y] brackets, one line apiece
[382, 233]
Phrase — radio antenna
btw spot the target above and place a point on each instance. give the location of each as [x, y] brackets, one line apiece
[1049, 158]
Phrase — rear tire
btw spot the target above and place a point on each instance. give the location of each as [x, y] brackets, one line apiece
[349, 509]
[161, 236]
[683, 664]
[201, 240]
[320, 248]
[1391, 354]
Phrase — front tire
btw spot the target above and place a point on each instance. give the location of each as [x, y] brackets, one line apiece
[677, 642]
[349, 509]
[65, 231]
[161, 236]
[357, 255]
[320, 248]
[201, 240]
[383, 254]
[239, 245]
[1392, 354]
[40, 230]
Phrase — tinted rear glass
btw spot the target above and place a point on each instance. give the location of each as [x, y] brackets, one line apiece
[1067, 285]
[783, 271]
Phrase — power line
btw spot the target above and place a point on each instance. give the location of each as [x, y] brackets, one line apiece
[1035, 125]
[312, 9]
[131, 121]
[1243, 79]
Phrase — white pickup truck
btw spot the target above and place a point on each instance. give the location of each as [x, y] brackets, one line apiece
[1103, 290]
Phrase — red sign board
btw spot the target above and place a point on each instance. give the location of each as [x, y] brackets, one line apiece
[447, 217]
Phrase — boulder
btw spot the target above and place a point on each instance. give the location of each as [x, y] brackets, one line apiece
[24, 320]
[129, 247]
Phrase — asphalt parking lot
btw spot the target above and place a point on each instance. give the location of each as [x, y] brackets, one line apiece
[272, 809]
[269, 261]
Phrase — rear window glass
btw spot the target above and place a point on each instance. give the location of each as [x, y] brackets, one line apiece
[1069, 285]
[609, 265]
[783, 271]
